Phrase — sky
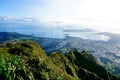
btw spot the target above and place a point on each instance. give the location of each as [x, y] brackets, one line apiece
[101, 15]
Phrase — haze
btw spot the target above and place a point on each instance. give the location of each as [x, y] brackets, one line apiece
[101, 15]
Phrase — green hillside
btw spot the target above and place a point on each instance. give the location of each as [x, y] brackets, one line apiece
[26, 60]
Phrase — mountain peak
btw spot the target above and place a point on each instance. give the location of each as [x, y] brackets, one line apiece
[24, 59]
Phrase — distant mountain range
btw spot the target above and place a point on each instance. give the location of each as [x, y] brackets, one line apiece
[51, 30]
[77, 30]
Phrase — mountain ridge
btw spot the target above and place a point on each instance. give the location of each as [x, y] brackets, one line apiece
[106, 53]
[27, 60]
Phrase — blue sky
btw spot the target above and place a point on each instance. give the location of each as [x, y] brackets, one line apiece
[102, 15]
[20, 7]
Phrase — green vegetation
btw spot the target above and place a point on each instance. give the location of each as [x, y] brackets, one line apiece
[26, 60]
[87, 61]
[78, 73]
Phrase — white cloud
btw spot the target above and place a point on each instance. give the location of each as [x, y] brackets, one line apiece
[89, 35]
[102, 15]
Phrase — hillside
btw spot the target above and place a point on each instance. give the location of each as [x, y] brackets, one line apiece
[26, 60]
[107, 53]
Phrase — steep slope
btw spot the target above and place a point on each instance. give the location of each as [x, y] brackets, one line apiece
[79, 73]
[87, 61]
[26, 60]
[107, 53]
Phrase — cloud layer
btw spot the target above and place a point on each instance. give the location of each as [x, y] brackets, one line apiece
[102, 15]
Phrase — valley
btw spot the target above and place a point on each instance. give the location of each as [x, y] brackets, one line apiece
[106, 53]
